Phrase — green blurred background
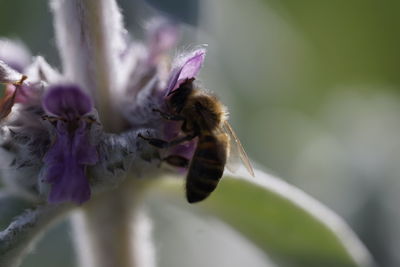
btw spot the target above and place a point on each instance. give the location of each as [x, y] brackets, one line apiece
[312, 87]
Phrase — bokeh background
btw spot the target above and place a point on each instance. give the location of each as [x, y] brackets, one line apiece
[312, 87]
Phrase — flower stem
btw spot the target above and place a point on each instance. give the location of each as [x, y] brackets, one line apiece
[104, 228]
[90, 39]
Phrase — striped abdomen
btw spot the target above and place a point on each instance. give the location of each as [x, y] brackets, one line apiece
[206, 167]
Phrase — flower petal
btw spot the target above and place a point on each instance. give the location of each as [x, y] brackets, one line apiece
[192, 66]
[188, 69]
[66, 162]
[162, 36]
[71, 186]
[86, 154]
[67, 101]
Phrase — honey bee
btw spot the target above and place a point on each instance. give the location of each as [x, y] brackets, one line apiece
[204, 117]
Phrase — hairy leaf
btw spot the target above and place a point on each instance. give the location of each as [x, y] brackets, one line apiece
[290, 226]
[19, 237]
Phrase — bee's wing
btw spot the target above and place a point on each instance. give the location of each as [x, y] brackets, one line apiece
[236, 151]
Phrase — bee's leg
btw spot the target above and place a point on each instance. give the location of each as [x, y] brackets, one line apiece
[177, 161]
[170, 117]
[49, 118]
[159, 143]
[90, 120]
[52, 119]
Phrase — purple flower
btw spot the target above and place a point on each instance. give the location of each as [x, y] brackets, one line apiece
[162, 36]
[72, 151]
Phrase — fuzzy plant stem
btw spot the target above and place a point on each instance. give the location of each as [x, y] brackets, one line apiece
[104, 229]
[89, 37]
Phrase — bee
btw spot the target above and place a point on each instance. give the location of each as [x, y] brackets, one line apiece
[203, 116]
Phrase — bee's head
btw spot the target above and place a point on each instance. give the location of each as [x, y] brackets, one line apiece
[178, 98]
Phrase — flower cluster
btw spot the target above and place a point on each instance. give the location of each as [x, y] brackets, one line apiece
[53, 136]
